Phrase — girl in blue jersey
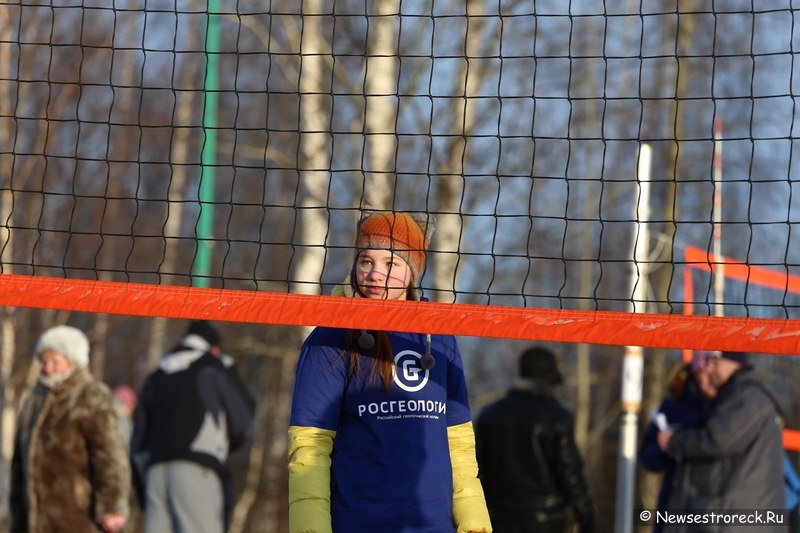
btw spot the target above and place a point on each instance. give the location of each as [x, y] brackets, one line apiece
[380, 438]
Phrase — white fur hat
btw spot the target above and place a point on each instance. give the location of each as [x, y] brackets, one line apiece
[68, 341]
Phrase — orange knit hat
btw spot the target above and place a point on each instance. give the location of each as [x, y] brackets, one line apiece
[407, 236]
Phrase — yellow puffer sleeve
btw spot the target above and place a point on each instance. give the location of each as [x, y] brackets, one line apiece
[310, 479]
[469, 505]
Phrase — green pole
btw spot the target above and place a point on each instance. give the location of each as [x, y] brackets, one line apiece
[208, 152]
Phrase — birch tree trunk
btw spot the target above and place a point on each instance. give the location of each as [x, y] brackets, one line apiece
[255, 467]
[7, 128]
[113, 190]
[8, 167]
[279, 446]
[313, 163]
[381, 87]
[9, 418]
[172, 227]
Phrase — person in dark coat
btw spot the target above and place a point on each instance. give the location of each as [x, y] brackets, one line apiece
[688, 390]
[734, 459]
[528, 463]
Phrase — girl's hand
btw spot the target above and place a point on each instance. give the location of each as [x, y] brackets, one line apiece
[113, 523]
[663, 439]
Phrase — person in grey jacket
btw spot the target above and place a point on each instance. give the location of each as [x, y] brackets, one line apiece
[734, 459]
[191, 414]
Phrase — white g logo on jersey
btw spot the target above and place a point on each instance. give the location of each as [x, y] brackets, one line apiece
[408, 374]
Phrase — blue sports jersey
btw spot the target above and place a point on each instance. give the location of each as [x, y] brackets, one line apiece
[391, 468]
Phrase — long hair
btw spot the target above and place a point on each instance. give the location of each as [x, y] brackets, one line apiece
[678, 378]
[381, 357]
[381, 354]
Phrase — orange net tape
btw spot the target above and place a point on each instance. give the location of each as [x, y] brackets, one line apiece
[591, 327]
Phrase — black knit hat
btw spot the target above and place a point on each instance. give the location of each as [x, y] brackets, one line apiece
[539, 362]
[739, 357]
[205, 330]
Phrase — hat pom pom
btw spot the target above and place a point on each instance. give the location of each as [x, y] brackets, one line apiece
[366, 341]
[427, 361]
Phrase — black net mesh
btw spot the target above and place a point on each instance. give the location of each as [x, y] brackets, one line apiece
[232, 144]
[159, 143]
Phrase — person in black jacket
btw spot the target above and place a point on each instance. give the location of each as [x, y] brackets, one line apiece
[528, 463]
[192, 412]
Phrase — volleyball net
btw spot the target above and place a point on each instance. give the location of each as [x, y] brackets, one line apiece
[210, 160]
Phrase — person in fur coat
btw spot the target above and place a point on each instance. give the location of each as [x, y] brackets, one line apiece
[70, 470]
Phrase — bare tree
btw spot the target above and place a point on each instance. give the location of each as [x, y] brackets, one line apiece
[172, 227]
[8, 418]
[13, 215]
[448, 186]
[380, 89]
[314, 177]
[112, 190]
